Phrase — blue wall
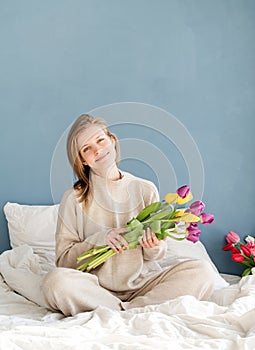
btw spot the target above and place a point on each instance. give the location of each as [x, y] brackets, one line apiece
[191, 58]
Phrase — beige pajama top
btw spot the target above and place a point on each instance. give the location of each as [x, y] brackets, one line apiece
[114, 203]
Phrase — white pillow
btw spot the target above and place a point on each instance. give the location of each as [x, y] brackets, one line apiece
[179, 251]
[33, 225]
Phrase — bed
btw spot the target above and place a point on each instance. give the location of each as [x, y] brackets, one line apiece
[226, 321]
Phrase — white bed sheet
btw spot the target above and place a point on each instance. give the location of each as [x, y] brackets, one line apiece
[224, 322]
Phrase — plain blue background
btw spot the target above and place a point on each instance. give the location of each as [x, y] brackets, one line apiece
[193, 59]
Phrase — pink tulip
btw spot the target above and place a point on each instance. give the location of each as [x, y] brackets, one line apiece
[251, 247]
[206, 218]
[183, 191]
[232, 237]
[196, 208]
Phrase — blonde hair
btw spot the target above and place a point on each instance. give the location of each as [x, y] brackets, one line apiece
[82, 185]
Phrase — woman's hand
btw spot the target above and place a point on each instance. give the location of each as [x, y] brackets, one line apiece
[149, 239]
[115, 240]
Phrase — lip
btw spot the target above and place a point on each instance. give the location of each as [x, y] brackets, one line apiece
[102, 157]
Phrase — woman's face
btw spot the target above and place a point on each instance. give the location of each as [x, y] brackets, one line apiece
[97, 149]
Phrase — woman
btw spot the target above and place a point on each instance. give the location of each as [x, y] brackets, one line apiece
[94, 212]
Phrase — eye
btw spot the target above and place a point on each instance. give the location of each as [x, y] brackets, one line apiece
[85, 149]
[101, 139]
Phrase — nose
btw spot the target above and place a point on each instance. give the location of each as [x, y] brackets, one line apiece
[96, 149]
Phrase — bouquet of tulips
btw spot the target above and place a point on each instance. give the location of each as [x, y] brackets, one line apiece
[164, 218]
[243, 254]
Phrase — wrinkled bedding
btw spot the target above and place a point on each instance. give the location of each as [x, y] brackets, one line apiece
[227, 321]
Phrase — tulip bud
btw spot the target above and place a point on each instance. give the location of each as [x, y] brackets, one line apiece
[194, 237]
[250, 239]
[237, 257]
[193, 232]
[251, 247]
[228, 246]
[192, 225]
[232, 237]
[197, 207]
[245, 250]
[183, 191]
[184, 200]
[206, 218]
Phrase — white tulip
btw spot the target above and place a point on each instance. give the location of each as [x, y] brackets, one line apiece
[250, 239]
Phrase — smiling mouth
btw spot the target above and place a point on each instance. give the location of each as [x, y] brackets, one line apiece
[102, 157]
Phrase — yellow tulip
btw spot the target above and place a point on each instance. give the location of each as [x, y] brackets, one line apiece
[179, 213]
[181, 200]
[171, 198]
[189, 217]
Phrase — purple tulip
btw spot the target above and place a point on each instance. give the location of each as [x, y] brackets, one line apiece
[193, 237]
[183, 191]
[206, 218]
[196, 208]
[193, 232]
[192, 226]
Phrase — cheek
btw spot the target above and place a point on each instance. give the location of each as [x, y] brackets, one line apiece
[107, 143]
[111, 147]
[85, 158]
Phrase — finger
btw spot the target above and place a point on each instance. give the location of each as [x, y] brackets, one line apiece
[149, 238]
[121, 230]
[152, 237]
[112, 246]
[117, 244]
[116, 247]
[145, 242]
[123, 241]
[155, 240]
[113, 243]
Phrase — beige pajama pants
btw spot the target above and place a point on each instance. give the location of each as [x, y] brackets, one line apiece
[71, 291]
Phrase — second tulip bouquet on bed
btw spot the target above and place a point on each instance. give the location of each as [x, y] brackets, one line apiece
[164, 218]
[242, 253]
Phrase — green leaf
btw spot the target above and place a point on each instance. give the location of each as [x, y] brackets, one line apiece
[247, 263]
[246, 272]
[155, 226]
[167, 225]
[162, 214]
[162, 234]
[133, 224]
[148, 210]
[134, 235]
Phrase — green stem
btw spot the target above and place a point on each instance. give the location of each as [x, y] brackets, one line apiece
[94, 263]
[91, 252]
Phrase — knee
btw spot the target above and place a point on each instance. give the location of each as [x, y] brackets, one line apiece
[203, 268]
[200, 270]
[205, 274]
[55, 281]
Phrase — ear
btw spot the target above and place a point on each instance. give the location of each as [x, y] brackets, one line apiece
[113, 139]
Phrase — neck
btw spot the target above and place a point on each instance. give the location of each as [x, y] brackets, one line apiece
[112, 174]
